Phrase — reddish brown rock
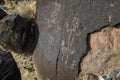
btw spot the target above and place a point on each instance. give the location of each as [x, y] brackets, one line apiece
[104, 55]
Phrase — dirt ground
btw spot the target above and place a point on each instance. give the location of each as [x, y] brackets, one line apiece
[25, 65]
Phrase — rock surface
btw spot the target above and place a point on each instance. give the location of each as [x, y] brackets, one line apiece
[8, 67]
[63, 29]
[114, 75]
[14, 31]
[2, 14]
[104, 55]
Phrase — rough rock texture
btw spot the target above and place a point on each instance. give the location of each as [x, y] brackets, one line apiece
[14, 32]
[8, 67]
[63, 29]
[103, 58]
[2, 14]
[114, 75]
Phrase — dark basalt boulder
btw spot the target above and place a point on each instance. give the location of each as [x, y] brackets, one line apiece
[14, 30]
[2, 14]
[2, 2]
[64, 26]
[8, 67]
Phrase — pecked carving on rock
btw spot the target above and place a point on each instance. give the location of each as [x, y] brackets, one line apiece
[64, 26]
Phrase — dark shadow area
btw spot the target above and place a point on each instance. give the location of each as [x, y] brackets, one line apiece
[18, 34]
[31, 39]
[2, 14]
[8, 67]
[2, 2]
[117, 25]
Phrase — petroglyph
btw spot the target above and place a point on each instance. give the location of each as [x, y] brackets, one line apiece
[66, 52]
[73, 28]
[109, 18]
[52, 20]
[68, 49]
[112, 5]
[53, 26]
[73, 31]
[68, 24]
[50, 39]
[74, 63]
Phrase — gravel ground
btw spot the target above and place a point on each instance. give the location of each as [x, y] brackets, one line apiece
[25, 65]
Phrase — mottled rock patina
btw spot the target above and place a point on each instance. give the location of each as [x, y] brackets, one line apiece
[63, 29]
